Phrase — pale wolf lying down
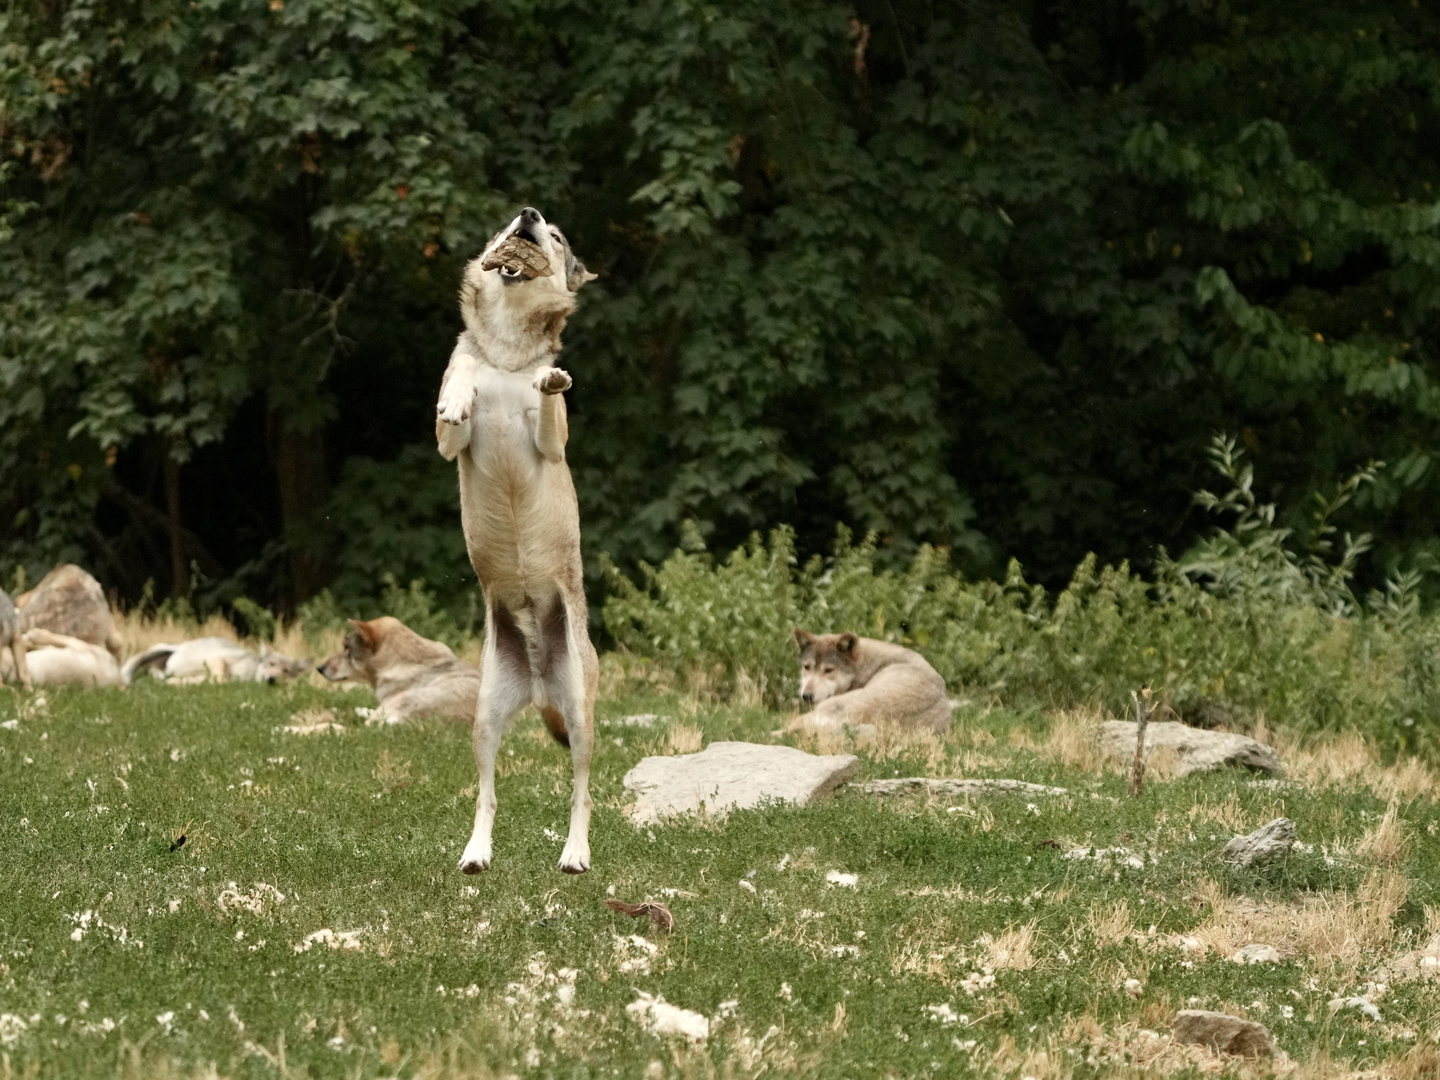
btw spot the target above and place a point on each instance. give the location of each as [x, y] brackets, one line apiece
[70, 602]
[213, 659]
[11, 641]
[502, 416]
[853, 681]
[411, 675]
[61, 660]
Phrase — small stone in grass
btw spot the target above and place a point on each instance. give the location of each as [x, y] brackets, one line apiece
[1257, 954]
[1225, 1033]
[848, 881]
[1271, 841]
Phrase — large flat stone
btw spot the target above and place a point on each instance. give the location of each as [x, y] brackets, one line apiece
[955, 787]
[729, 776]
[1198, 750]
[1220, 1031]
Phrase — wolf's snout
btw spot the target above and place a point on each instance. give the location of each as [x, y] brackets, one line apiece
[807, 697]
[530, 222]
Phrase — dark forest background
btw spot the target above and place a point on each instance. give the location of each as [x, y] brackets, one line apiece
[982, 274]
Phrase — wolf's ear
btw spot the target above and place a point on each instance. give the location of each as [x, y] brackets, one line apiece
[848, 645]
[804, 638]
[367, 632]
[576, 275]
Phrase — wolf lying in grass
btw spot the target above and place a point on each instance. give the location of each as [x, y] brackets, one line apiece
[852, 681]
[61, 660]
[411, 675]
[502, 417]
[213, 659]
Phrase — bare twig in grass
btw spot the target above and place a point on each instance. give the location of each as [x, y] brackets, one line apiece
[1142, 718]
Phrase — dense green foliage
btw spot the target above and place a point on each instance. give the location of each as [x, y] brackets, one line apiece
[1246, 626]
[984, 276]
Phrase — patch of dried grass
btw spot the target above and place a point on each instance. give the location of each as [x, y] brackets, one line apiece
[892, 741]
[1012, 948]
[1110, 924]
[138, 632]
[1349, 759]
[1388, 841]
[1074, 739]
[1329, 927]
[684, 739]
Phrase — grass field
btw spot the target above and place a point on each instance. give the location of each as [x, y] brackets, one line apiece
[313, 922]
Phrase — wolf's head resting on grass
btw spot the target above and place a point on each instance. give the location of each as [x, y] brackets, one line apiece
[828, 664]
[516, 296]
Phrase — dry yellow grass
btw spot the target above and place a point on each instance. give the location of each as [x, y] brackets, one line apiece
[1011, 948]
[1387, 841]
[684, 739]
[1326, 927]
[1110, 924]
[1074, 739]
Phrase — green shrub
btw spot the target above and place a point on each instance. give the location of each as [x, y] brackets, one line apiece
[1252, 623]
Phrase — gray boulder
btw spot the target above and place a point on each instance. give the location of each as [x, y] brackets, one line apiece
[1270, 841]
[1225, 1033]
[729, 776]
[1198, 750]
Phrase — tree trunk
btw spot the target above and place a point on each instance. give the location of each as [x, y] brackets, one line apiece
[299, 458]
[175, 528]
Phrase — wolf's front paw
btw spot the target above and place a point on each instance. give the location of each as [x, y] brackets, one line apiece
[575, 859]
[456, 403]
[476, 858]
[551, 380]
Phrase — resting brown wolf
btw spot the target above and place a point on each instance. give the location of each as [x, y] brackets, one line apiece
[853, 681]
[411, 675]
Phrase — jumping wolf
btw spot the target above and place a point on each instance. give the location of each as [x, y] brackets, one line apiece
[502, 417]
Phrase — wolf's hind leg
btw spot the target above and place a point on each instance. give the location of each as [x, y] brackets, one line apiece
[570, 682]
[505, 688]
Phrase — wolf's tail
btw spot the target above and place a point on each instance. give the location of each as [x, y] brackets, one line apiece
[156, 654]
[555, 723]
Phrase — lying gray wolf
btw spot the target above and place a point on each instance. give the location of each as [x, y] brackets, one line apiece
[69, 601]
[411, 675]
[61, 660]
[213, 658]
[501, 415]
[852, 681]
[10, 638]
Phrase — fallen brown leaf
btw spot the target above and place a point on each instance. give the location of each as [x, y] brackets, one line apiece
[658, 913]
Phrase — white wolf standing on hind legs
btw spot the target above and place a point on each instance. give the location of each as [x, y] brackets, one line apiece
[501, 414]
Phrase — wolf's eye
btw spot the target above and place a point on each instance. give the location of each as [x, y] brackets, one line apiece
[826, 670]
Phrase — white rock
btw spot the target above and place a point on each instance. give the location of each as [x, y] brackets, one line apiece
[1365, 1006]
[1257, 954]
[659, 1017]
[1270, 841]
[1198, 750]
[955, 787]
[728, 776]
[848, 881]
[1134, 987]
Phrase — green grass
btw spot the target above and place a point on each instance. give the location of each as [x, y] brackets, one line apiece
[361, 832]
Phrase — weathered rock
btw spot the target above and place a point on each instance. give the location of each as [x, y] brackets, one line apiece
[1198, 750]
[69, 601]
[733, 775]
[1270, 841]
[955, 788]
[1257, 954]
[1220, 1031]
